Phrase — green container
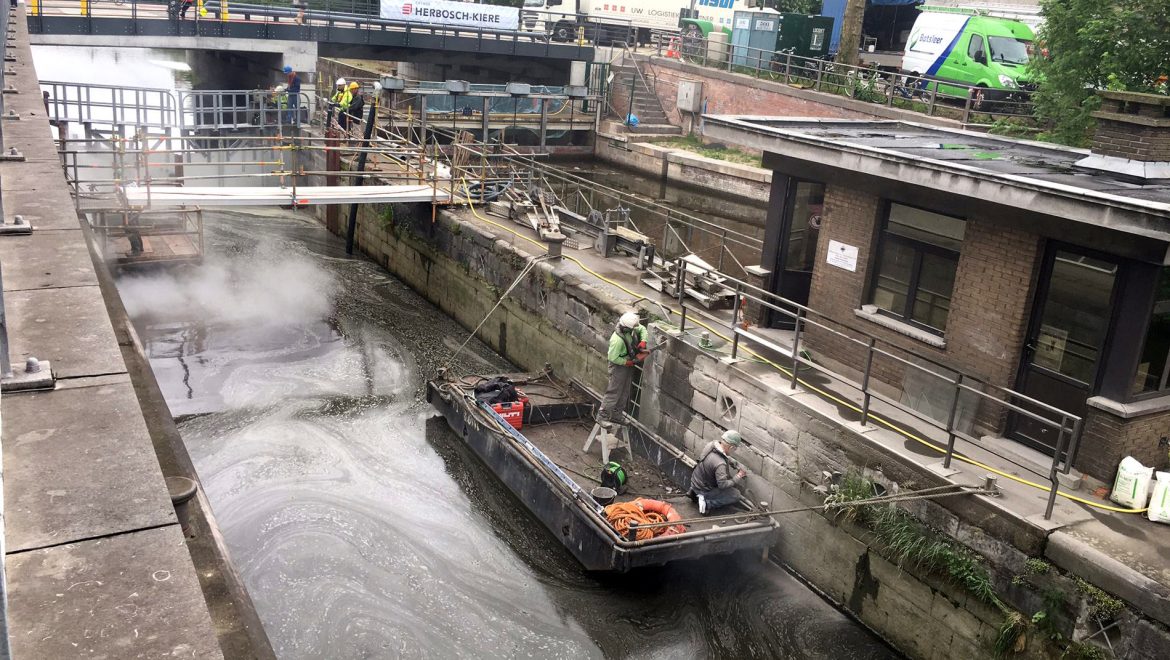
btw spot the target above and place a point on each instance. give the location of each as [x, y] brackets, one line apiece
[804, 36]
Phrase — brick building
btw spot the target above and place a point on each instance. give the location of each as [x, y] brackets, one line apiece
[1037, 269]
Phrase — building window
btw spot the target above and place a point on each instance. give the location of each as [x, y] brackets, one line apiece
[917, 256]
[1154, 365]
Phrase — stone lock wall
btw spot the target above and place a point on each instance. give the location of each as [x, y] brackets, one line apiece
[553, 316]
[787, 448]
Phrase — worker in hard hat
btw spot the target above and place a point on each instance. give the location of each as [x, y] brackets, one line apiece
[292, 83]
[340, 101]
[714, 480]
[355, 107]
[627, 348]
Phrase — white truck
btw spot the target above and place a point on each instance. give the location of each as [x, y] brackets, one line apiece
[612, 20]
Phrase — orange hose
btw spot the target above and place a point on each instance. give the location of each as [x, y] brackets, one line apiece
[621, 514]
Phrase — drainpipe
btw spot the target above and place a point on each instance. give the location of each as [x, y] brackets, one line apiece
[361, 167]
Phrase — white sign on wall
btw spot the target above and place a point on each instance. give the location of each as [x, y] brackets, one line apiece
[443, 12]
[843, 256]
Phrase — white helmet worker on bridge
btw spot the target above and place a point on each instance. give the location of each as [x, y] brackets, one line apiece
[627, 347]
[341, 99]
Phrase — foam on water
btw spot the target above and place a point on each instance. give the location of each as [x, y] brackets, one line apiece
[361, 525]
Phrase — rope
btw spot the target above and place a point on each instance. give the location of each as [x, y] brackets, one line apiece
[650, 523]
[826, 395]
[926, 494]
[528, 267]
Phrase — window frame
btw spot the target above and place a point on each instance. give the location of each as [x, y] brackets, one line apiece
[1164, 382]
[982, 48]
[919, 248]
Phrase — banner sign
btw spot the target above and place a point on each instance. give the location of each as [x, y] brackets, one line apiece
[443, 12]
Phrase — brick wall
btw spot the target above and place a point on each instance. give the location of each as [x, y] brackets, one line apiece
[742, 95]
[1108, 438]
[987, 323]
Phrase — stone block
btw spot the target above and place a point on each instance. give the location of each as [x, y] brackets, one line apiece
[894, 577]
[907, 624]
[703, 383]
[962, 624]
[758, 489]
[780, 427]
[703, 405]
[753, 423]
[751, 459]
[785, 454]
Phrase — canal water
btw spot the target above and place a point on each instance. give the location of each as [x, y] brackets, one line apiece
[360, 524]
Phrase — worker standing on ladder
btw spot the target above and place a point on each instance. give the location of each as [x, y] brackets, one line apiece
[627, 347]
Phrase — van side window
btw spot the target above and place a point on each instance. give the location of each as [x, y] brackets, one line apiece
[975, 49]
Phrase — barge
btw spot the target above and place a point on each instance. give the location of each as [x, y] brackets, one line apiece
[544, 464]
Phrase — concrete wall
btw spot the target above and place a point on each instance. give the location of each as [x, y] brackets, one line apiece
[736, 93]
[685, 168]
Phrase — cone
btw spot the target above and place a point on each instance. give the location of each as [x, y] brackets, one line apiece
[672, 48]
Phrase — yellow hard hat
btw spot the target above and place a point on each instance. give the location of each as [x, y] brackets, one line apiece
[354, 85]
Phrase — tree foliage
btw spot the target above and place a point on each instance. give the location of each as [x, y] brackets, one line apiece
[1092, 45]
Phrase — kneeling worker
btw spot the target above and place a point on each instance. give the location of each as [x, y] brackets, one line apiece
[627, 347]
[716, 476]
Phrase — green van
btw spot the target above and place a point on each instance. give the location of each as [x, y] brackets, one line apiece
[970, 51]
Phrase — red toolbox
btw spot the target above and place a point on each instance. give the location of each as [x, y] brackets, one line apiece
[513, 411]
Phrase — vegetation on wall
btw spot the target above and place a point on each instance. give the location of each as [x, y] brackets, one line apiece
[1089, 45]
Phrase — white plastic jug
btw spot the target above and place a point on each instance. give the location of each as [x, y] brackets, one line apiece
[1160, 502]
[1132, 486]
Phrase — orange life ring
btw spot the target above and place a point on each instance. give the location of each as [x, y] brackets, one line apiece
[666, 510]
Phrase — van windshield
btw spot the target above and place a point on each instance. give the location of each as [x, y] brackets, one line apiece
[1009, 50]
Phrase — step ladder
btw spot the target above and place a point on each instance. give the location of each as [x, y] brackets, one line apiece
[608, 440]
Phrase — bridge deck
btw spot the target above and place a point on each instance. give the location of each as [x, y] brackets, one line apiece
[333, 31]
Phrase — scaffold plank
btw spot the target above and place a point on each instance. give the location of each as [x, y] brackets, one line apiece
[272, 195]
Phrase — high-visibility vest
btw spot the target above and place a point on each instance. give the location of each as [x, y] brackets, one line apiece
[343, 99]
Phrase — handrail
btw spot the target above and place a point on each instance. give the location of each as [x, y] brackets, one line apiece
[1068, 427]
[164, 108]
[869, 84]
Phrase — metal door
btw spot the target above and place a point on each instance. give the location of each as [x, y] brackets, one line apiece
[1070, 323]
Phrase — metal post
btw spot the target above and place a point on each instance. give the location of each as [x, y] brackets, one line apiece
[544, 122]
[735, 322]
[5, 365]
[633, 81]
[1053, 481]
[951, 422]
[796, 347]
[1074, 444]
[486, 112]
[865, 396]
[361, 167]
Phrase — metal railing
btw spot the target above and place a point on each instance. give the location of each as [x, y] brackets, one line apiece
[184, 110]
[873, 354]
[321, 20]
[6, 14]
[966, 103]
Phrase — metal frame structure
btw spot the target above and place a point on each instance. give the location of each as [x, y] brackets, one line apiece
[335, 24]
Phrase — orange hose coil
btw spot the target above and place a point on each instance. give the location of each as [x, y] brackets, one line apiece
[644, 512]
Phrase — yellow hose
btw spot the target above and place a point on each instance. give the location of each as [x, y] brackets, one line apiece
[812, 388]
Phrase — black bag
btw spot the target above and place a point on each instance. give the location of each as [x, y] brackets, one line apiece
[497, 390]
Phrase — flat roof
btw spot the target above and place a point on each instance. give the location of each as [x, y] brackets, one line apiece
[918, 154]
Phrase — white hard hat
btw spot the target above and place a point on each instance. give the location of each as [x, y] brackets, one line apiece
[629, 320]
[340, 81]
